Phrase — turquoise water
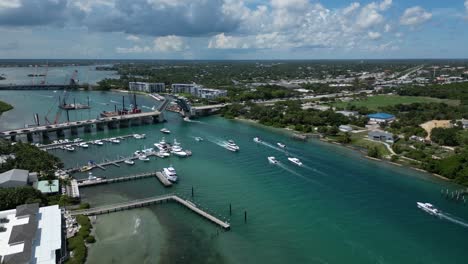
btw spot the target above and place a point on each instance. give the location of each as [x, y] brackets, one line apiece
[338, 208]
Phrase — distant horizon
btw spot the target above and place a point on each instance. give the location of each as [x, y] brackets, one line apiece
[130, 59]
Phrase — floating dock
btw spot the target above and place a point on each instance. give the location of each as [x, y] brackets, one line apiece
[150, 201]
[75, 144]
[86, 183]
[105, 163]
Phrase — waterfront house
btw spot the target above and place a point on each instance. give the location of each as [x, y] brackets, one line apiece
[345, 128]
[383, 136]
[381, 118]
[31, 234]
[17, 178]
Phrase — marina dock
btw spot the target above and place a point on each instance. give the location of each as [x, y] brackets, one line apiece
[150, 201]
[86, 183]
[75, 144]
[106, 162]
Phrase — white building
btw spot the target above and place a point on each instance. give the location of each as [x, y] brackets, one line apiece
[197, 90]
[31, 235]
[147, 87]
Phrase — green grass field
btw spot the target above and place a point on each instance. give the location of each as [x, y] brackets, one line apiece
[374, 102]
[4, 107]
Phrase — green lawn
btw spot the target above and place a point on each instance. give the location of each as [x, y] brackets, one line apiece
[4, 107]
[374, 102]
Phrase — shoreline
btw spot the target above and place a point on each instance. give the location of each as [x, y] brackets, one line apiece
[351, 147]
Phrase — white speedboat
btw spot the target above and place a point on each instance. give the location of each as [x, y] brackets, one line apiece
[198, 138]
[83, 145]
[273, 160]
[177, 149]
[281, 145]
[165, 131]
[162, 145]
[69, 148]
[429, 208]
[232, 146]
[98, 142]
[129, 162]
[257, 140]
[114, 140]
[76, 140]
[137, 153]
[170, 174]
[139, 136]
[295, 161]
[143, 157]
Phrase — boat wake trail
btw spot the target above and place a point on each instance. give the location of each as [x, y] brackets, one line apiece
[314, 170]
[147, 107]
[48, 96]
[296, 174]
[453, 219]
[273, 147]
[115, 102]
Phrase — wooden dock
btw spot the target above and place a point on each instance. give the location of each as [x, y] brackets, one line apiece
[86, 183]
[149, 201]
[75, 144]
[105, 163]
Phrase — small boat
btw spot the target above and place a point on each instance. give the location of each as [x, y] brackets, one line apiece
[76, 140]
[137, 153]
[198, 138]
[257, 140]
[83, 145]
[170, 174]
[86, 168]
[162, 145]
[98, 142]
[281, 145]
[177, 149]
[139, 136]
[143, 157]
[69, 148]
[427, 207]
[114, 140]
[273, 160]
[232, 146]
[295, 161]
[165, 131]
[129, 162]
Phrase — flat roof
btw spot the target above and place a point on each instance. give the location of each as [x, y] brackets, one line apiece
[45, 187]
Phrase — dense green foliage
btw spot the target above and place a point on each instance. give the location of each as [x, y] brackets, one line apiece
[4, 106]
[454, 167]
[456, 91]
[445, 136]
[12, 197]
[374, 152]
[290, 114]
[29, 157]
[77, 244]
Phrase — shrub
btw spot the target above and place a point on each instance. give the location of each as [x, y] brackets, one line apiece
[90, 239]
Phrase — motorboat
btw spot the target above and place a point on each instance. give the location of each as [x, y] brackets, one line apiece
[147, 151]
[143, 157]
[129, 162]
[98, 142]
[273, 160]
[163, 154]
[92, 178]
[165, 131]
[137, 153]
[232, 146]
[83, 145]
[69, 148]
[114, 140]
[177, 149]
[76, 140]
[139, 136]
[257, 140]
[295, 161]
[281, 145]
[170, 174]
[198, 138]
[427, 207]
[162, 145]
[86, 168]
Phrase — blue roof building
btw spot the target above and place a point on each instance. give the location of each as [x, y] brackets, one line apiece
[381, 117]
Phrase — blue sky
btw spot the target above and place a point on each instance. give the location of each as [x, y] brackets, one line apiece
[233, 29]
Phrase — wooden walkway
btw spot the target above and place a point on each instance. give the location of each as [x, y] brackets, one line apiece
[149, 201]
[86, 183]
[75, 144]
[109, 162]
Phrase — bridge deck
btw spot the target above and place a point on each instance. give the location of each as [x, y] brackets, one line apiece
[149, 201]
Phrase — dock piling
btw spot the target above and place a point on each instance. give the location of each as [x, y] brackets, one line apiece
[245, 216]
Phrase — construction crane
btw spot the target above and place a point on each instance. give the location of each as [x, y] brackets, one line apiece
[63, 101]
[44, 81]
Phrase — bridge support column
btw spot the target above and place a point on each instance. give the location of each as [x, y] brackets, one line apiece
[100, 126]
[45, 134]
[135, 121]
[87, 128]
[74, 130]
[29, 136]
[159, 118]
[124, 123]
[111, 124]
[13, 137]
[60, 133]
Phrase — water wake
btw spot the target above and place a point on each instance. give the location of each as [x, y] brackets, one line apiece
[453, 219]
[281, 165]
[314, 170]
[48, 96]
[115, 102]
[137, 225]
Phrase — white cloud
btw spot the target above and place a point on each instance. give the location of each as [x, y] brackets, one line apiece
[370, 15]
[4, 4]
[221, 41]
[374, 35]
[169, 44]
[88, 5]
[387, 28]
[351, 8]
[134, 49]
[466, 5]
[415, 16]
[133, 38]
[385, 5]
